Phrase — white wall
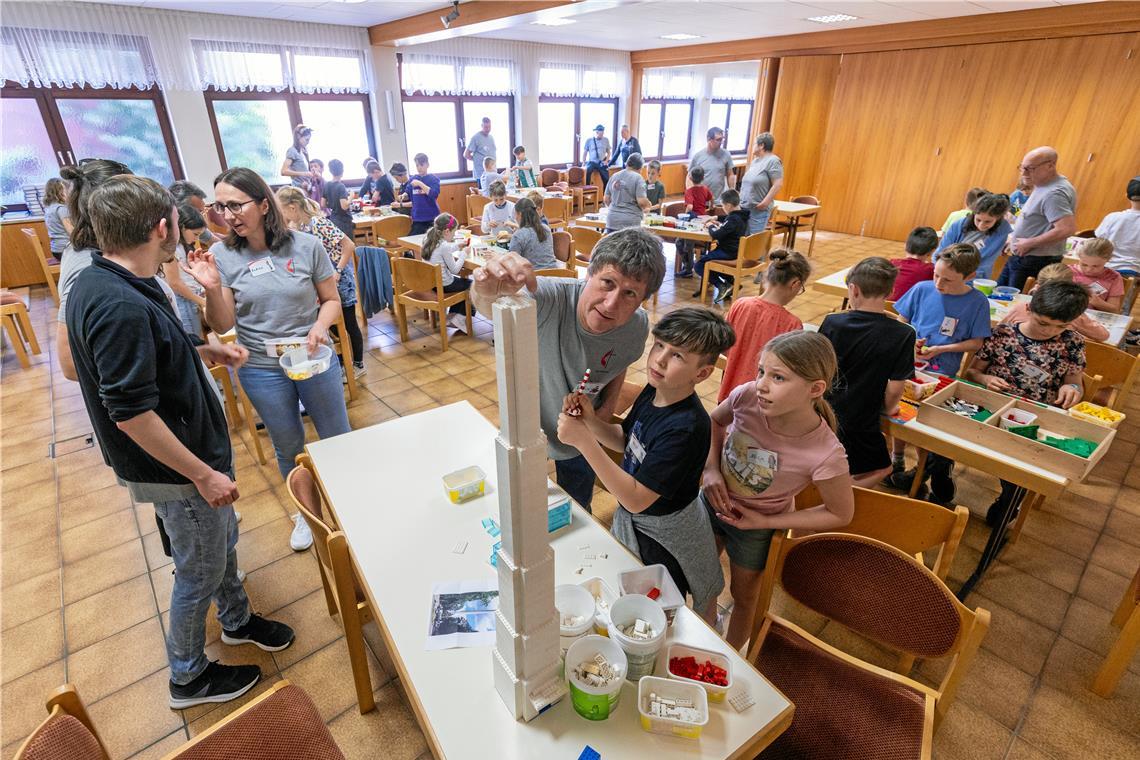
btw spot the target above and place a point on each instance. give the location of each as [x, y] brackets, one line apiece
[195, 139]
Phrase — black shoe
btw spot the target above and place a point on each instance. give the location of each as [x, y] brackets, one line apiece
[684, 274]
[217, 683]
[942, 490]
[267, 634]
[994, 513]
[901, 480]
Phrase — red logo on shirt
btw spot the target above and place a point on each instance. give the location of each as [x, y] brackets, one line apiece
[606, 358]
[289, 266]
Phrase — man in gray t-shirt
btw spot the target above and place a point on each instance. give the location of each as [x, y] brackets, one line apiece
[596, 324]
[479, 147]
[1046, 220]
[626, 196]
[715, 160]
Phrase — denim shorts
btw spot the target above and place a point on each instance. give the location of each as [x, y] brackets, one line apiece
[747, 548]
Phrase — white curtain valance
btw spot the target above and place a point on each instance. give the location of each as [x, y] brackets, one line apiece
[584, 79]
[245, 66]
[731, 81]
[450, 74]
[734, 87]
[45, 57]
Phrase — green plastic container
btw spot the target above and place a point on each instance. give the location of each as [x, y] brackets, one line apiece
[595, 703]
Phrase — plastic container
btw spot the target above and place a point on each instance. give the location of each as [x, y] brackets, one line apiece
[1017, 418]
[604, 598]
[573, 603]
[595, 702]
[920, 387]
[716, 693]
[463, 485]
[986, 286]
[645, 579]
[299, 364]
[278, 347]
[641, 654]
[1004, 293]
[1096, 414]
[670, 689]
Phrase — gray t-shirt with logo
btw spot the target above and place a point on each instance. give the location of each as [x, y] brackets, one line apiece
[481, 146]
[566, 350]
[758, 180]
[275, 292]
[717, 166]
[1046, 204]
[624, 189]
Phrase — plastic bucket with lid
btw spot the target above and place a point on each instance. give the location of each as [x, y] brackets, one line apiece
[576, 609]
[300, 364]
[986, 286]
[595, 702]
[640, 653]
[1004, 293]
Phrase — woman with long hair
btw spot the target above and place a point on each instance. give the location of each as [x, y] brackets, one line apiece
[56, 218]
[188, 298]
[984, 227]
[269, 283]
[296, 164]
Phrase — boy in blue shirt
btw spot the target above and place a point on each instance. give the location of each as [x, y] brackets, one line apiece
[949, 318]
[660, 518]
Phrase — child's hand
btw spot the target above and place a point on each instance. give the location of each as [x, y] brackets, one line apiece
[572, 431]
[997, 385]
[745, 521]
[1068, 395]
[579, 405]
[716, 492]
[929, 352]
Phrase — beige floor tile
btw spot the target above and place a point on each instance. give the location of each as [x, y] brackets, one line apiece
[1102, 587]
[1083, 511]
[444, 388]
[117, 661]
[1071, 669]
[17, 479]
[1061, 726]
[1055, 530]
[108, 612]
[285, 581]
[1124, 526]
[29, 447]
[84, 480]
[326, 676]
[31, 646]
[1116, 555]
[150, 718]
[30, 560]
[1054, 566]
[30, 599]
[369, 413]
[991, 686]
[162, 747]
[1015, 639]
[266, 543]
[390, 386]
[1023, 750]
[970, 734]
[406, 401]
[391, 726]
[24, 700]
[313, 626]
[108, 568]
[93, 505]
[1128, 498]
[423, 375]
[99, 535]
[32, 527]
[155, 555]
[1030, 597]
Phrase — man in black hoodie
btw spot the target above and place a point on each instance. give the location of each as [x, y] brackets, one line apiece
[726, 231]
[160, 425]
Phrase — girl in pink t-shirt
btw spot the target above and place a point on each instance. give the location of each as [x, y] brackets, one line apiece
[772, 438]
[1106, 286]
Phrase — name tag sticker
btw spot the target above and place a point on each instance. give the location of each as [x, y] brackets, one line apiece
[1097, 289]
[1034, 373]
[261, 266]
[636, 450]
[949, 325]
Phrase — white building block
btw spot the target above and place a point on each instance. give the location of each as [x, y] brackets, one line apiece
[516, 363]
[526, 594]
[528, 654]
[527, 698]
[522, 501]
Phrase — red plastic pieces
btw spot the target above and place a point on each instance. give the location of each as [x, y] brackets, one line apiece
[654, 593]
[707, 672]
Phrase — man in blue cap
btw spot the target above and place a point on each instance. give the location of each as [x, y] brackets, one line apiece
[596, 154]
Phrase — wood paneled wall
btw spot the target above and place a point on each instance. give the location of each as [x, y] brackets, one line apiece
[909, 131]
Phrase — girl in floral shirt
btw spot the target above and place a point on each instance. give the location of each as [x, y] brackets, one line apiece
[304, 215]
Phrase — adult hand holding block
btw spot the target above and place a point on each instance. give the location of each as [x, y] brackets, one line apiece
[501, 276]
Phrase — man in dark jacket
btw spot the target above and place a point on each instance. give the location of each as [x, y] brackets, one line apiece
[160, 425]
[628, 144]
[726, 231]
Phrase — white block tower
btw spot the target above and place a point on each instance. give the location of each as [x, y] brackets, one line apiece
[526, 653]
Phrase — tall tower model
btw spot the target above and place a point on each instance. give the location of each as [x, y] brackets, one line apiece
[526, 626]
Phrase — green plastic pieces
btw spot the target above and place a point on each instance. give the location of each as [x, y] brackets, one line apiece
[1077, 446]
[1025, 431]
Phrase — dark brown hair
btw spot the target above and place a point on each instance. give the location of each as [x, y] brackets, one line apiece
[874, 276]
[84, 179]
[277, 233]
[529, 217]
[124, 211]
[697, 330]
[55, 191]
[963, 258]
[786, 266]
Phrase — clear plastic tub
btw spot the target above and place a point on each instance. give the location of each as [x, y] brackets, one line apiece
[1004, 293]
[575, 607]
[671, 689]
[299, 364]
[641, 654]
[920, 387]
[278, 347]
[463, 485]
[716, 693]
[986, 286]
[645, 579]
[1096, 414]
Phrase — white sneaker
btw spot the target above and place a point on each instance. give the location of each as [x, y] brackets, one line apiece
[241, 575]
[237, 516]
[302, 537]
[358, 370]
[459, 322]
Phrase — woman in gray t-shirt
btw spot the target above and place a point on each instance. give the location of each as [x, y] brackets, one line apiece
[296, 165]
[271, 283]
[533, 240]
[625, 196]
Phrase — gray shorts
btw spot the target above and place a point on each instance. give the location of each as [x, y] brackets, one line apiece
[747, 548]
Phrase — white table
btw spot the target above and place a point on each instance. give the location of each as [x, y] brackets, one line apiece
[383, 483]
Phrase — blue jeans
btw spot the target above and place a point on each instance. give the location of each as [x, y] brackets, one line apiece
[604, 173]
[1020, 268]
[577, 479]
[713, 255]
[203, 541]
[276, 397]
[189, 315]
[758, 220]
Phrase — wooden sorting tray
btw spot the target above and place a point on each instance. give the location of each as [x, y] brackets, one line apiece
[990, 435]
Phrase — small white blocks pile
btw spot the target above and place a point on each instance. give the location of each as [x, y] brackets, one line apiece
[572, 621]
[676, 708]
[638, 629]
[597, 672]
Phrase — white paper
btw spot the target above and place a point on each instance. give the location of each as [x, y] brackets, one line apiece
[462, 614]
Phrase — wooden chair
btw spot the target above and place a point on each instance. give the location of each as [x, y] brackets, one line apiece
[559, 211]
[998, 265]
[672, 208]
[1030, 283]
[1131, 287]
[591, 194]
[750, 259]
[343, 591]
[571, 274]
[235, 404]
[363, 234]
[475, 204]
[414, 284]
[563, 246]
[585, 239]
[1112, 372]
[18, 326]
[846, 707]
[66, 733]
[1127, 619]
[1088, 234]
[798, 222]
[388, 229]
[48, 266]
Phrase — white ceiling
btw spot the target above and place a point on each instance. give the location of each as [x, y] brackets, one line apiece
[626, 24]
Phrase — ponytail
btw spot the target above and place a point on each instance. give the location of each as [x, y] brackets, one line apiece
[84, 179]
[810, 356]
[529, 217]
[434, 235]
[825, 412]
[291, 195]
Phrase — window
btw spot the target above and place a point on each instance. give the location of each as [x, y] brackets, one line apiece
[441, 125]
[565, 124]
[46, 128]
[431, 127]
[735, 118]
[255, 129]
[666, 128]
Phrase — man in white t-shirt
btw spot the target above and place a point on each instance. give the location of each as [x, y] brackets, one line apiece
[1122, 228]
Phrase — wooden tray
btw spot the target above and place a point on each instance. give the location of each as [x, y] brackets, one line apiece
[989, 434]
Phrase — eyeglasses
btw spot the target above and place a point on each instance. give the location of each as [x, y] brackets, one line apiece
[234, 207]
[1026, 169]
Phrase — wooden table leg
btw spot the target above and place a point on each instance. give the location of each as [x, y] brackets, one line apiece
[919, 471]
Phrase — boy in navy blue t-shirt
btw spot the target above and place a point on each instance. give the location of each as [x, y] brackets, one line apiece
[659, 517]
[949, 318]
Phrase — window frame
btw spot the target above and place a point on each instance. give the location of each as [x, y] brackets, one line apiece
[578, 139]
[458, 101]
[46, 98]
[661, 128]
[293, 101]
[729, 103]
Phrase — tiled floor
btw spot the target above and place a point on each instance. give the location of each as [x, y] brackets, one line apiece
[86, 585]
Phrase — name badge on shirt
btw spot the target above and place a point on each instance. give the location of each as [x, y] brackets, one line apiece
[261, 266]
[1097, 289]
[1033, 373]
[763, 458]
[949, 325]
[635, 449]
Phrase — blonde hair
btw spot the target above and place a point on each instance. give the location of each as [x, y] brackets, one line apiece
[812, 357]
[55, 191]
[536, 198]
[1101, 248]
[294, 196]
[1056, 271]
[434, 236]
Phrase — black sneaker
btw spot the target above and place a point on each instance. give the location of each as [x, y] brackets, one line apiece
[994, 513]
[217, 683]
[684, 274]
[267, 634]
[901, 480]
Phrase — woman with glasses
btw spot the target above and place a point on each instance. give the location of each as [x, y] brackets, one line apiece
[273, 283]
